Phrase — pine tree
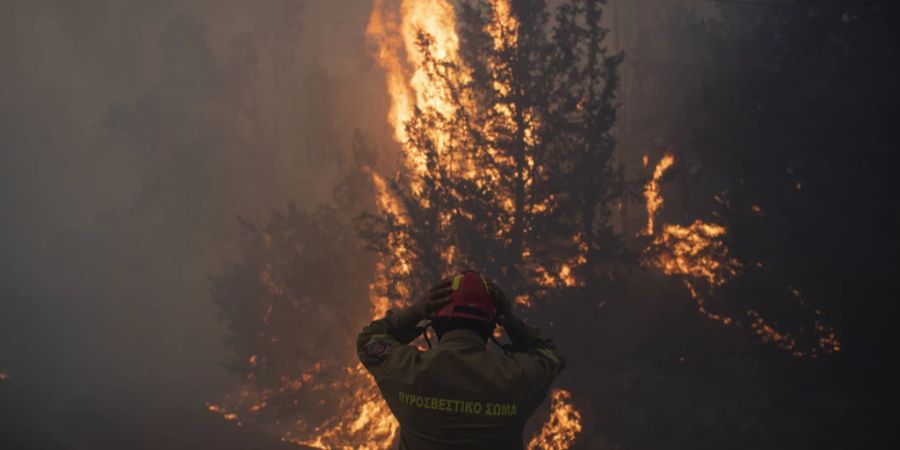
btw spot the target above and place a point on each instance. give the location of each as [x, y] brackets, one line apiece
[514, 172]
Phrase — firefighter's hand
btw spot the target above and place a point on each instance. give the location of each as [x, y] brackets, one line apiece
[434, 299]
[501, 301]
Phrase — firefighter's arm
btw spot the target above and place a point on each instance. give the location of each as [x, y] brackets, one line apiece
[386, 339]
[535, 358]
[382, 338]
[533, 341]
[529, 344]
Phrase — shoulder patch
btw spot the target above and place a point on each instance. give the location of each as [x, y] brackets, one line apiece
[375, 349]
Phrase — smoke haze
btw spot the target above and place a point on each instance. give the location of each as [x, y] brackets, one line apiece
[131, 135]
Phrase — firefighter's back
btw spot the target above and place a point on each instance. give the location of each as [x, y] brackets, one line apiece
[461, 395]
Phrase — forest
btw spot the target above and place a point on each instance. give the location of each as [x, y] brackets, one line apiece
[694, 198]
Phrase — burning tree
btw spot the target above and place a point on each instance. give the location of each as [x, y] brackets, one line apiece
[505, 133]
[504, 124]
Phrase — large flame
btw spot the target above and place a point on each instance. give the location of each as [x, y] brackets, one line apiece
[398, 30]
[366, 422]
[561, 428]
[696, 251]
[418, 48]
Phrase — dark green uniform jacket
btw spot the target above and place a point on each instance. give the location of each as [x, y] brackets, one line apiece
[459, 395]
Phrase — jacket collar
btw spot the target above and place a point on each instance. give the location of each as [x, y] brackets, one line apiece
[462, 337]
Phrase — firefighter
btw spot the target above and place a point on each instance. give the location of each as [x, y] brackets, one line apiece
[460, 394]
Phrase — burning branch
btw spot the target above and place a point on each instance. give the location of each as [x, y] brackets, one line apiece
[698, 254]
[651, 191]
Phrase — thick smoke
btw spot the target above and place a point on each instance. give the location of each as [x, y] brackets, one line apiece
[131, 134]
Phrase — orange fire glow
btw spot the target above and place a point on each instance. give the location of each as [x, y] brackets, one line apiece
[698, 254]
[418, 48]
[4, 376]
[696, 251]
[562, 427]
[651, 190]
[396, 29]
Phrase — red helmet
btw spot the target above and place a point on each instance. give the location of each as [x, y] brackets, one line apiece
[470, 298]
